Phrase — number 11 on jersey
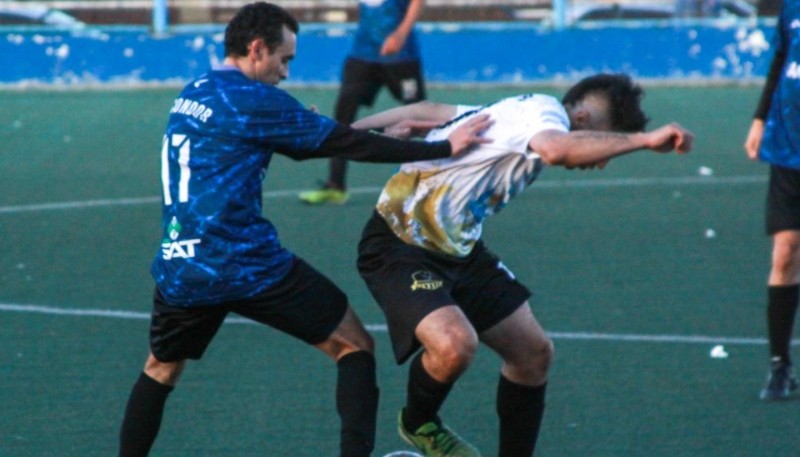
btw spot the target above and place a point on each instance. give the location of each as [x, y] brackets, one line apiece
[184, 152]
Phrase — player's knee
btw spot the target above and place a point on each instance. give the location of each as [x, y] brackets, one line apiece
[543, 353]
[786, 258]
[454, 354]
[532, 364]
[346, 341]
[166, 373]
[365, 342]
[538, 356]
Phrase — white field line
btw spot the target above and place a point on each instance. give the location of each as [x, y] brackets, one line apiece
[380, 328]
[576, 184]
[598, 183]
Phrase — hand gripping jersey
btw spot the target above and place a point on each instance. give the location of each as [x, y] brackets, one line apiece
[377, 20]
[440, 205]
[781, 142]
[222, 131]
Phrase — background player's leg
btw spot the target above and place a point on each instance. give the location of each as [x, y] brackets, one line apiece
[347, 104]
[359, 87]
[782, 302]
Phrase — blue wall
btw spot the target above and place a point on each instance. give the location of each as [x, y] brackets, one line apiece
[452, 52]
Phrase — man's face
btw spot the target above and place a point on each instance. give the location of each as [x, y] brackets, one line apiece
[273, 67]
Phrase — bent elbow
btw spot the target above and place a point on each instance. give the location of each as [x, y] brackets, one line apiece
[552, 156]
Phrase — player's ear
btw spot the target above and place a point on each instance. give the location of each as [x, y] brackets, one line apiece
[255, 49]
[581, 118]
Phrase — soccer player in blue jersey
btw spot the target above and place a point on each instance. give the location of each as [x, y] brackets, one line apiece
[218, 254]
[442, 289]
[774, 137]
[386, 53]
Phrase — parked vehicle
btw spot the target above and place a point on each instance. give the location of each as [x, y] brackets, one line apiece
[682, 9]
[21, 14]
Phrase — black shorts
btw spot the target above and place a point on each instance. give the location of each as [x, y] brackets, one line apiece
[410, 282]
[361, 81]
[783, 200]
[305, 304]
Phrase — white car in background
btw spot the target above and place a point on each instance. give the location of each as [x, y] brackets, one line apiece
[680, 9]
[26, 14]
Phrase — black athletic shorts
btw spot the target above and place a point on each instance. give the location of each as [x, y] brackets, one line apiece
[783, 200]
[305, 304]
[361, 81]
[410, 282]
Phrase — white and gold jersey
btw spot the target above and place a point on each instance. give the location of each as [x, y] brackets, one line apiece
[441, 204]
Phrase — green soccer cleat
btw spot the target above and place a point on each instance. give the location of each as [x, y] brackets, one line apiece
[323, 196]
[434, 439]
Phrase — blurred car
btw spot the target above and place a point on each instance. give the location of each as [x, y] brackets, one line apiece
[19, 14]
[617, 11]
[683, 9]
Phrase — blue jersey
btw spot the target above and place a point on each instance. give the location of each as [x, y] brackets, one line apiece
[222, 131]
[377, 20]
[781, 142]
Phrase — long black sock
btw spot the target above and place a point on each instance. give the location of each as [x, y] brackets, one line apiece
[425, 396]
[781, 311]
[142, 416]
[520, 409]
[357, 403]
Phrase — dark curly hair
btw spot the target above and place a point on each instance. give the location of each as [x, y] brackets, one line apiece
[257, 20]
[624, 98]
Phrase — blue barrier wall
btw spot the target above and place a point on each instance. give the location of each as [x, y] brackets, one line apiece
[453, 53]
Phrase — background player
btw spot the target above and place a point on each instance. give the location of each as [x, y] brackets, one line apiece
[438, 284]
[385, 52]
[774, 137]
[220, 255]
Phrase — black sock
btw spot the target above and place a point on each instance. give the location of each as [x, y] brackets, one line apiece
[142, 416]
[520, 409]
[781, 311]
[357, 403]
[425, 396]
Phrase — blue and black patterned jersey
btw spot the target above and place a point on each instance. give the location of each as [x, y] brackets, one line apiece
[222, 131]
[781, 142]
[377, 20]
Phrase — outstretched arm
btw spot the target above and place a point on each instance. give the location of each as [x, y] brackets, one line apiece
[421, 111]
[581, 148]
[364, 146]
[418, 118]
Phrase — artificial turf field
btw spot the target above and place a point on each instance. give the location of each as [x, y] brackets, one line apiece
[637, 272]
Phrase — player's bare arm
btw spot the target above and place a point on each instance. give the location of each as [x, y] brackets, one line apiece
[461, 139]
[582, 148]
[410, 128]
[395, 41]
[421, 111]
[753, 142]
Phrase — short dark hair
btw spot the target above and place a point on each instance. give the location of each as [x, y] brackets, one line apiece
[257, 20]
[624, 97]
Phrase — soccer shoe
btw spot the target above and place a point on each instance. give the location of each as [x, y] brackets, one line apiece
[780, 383]
[436, 440]
[323, 196]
